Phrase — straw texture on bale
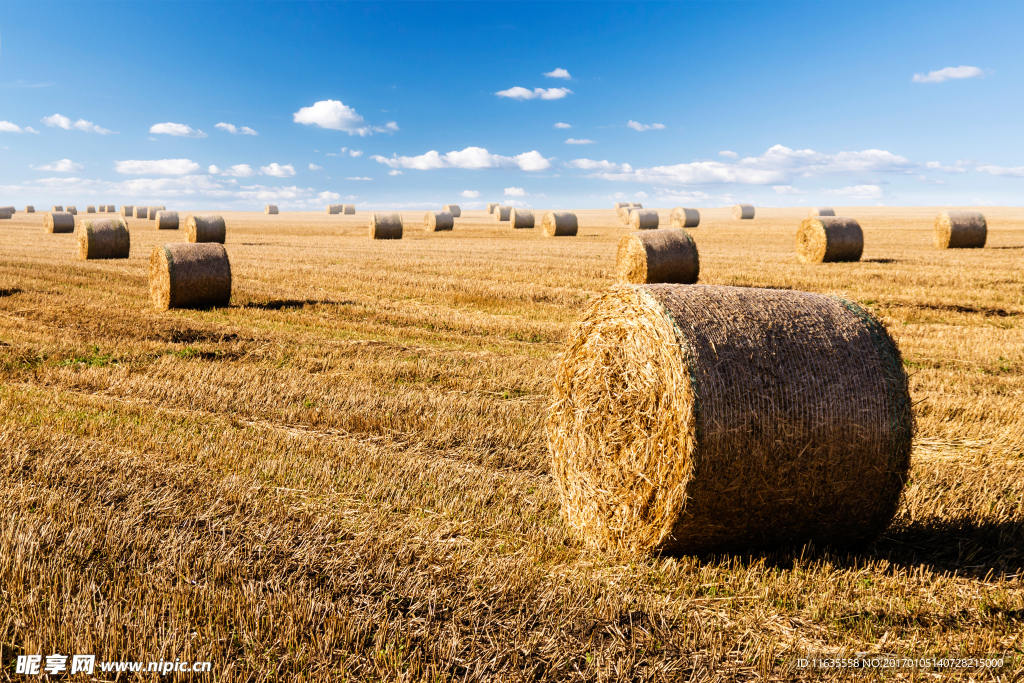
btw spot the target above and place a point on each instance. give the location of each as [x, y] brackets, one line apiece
[73, 210]
[960, 230]
[695, 419]
[30, 209]
[141, 211]
[90, 209]
[684, 218]
[492, 206]
[189, 276]
[58, 222]
[643, 219]
[743, 211]
[208, 228]
[434, 221]
[663, 256]
[167, 220]
[385, 225]
[334, 208]
[828, 239]
[502, 213]
[348, 209]
[521, 218]
[559, 224]
[57, 208]
[821, 211]
[453, 209]
[127, 210]
[270, 209]
[103, 238]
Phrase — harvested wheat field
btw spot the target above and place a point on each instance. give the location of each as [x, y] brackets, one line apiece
[344, 474]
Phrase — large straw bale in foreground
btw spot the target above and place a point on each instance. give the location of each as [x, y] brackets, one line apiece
[743, 212]
[502, 213]
[348, 209]
[661, 256]
[960, 230]
[492, 206]
[643, 219]
[208, 228]
[559, 224]
[828, 239]
[270, 209]
[167, 220]
[684, 218]
[521, 218]
[189, 276]
[386, 225]
[58, 222]
[453, 209]
[435, 221]
[821, 211]
[103, 238]
[695, 419]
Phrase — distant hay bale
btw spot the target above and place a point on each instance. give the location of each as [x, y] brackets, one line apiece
[189, 276]
[559, 224]
[208, 228]
[385, 225]
[821, 211]
[960, 230]
[152, 210]
[502, 213]
[57, 208]
[30, 209]
[521, 218]
[58, 222]
[661, 256]
[827, 239]
[619, 205]
[348, 209]
[72, 210]
[623, 214]
[127, 211]
[102, 208]
[111, 208]
[492, 206]
[6, 212]
[695, 419]
[270, 209]
[103, 238]
[636, 205]
[453, 209]
[167, 220]
[334, 208]
[141, 211]
[90, 209]
[436, 221]
[684, 218]
[743, 212]
[643, 219]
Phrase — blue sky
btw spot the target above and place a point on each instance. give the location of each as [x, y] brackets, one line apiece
[416, 104]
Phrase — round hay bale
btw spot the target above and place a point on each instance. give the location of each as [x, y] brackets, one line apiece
[127, 211]
[90, 209]
[58, 222]
[6, 211]
[151, 211]
[111, 208]
[502, 213]
[623, 214]
[559, 224]
[385, 225]
[619, 205]
[103, 238]
[960, 230]
[348, 209]
[208, 228]
[57, 208]
[453, 209]
[435, 221]
[334, 208]
[663, 256]
[696, 419]
[643, 219]
[521, 218]
[30, 209]
[821, 211]
[189, 276]
[827, 239]
[492, 206]
[743, 212]
[167, 220]
[270, 209]
[141, 211]
[684, 218]
[73, 210]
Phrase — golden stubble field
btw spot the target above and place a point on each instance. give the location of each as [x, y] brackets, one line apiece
[344, 476]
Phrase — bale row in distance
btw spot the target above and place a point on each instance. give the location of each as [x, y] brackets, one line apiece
[492, 206]
[743, 212]
[643, 219]
[694, 419]
[270, 209]
[205, 228]
[684, 218]
[502, 213]
[960, 230]
[436, 221]
[103, 238]
[829, 239]
[189, 276]
[627, 205]
[58, 222]
[662, 256]
[521, 218]
[385, 225]
[559, 224]
[453, 209]
[167, 220]
[821, 211]
[347, 209]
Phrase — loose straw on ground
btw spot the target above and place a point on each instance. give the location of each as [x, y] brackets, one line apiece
[103, 238]
[828, 239]
[684, 218]
[208, 228]
[643, 219]
[436, 221]
[58, 222]
[189, 276]
[559, 224]
[453, 209]
[743, 212]
[660, 256]
[386, 225]
[960, 230]
[521, 218]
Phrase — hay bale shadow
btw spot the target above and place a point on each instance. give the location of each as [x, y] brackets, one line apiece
[9, 292]
[279, 304]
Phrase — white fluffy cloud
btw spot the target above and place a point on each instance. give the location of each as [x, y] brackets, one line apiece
[787, 189]
[950, 72]
[636, 125]
[515, 192]
[958, 167]
[518, 93]
[234, 130]
[728, 154]
[335, 115]
[236, 171]
[357, 178]
[858, 192]
[8, 127]
[991, 169]
[558, 73]
[179, 130]
[278, 171]
[62, 166]
[58, 121]
[472, 158]
[470, 194]
[157, 167]
[574, 141]
[394, 173]
[314, 167]
[562, 125]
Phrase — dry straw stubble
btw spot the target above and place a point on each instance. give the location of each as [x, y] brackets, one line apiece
[58, 222]
[559, 224]
[435, 221]
[521, 218]
[668, 256]
[743, 211]
[167, 220]
[643, 219]
[453, 209]
[821, 211]
[502, 213]
[386, 225]
[189, 276]
[694, 419]
[103, 238]
[206, 228]
[829, 239]
[960, 230]
[684, 218]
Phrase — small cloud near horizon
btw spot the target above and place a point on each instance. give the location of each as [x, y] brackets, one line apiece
[949, 73]
[729, 154]
[519, 93]
[470, 194]
[179, 130]
[558, 73]
[636, 125]
[574, 141]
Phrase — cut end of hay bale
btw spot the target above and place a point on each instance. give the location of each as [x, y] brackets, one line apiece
[492, 206]
[643, 219]
[960, 230]
[684, 218]
[821, 211]
[521, 218]
[559, 224]
[386, 225]
[695, 419]
[743, 212]
[436, 221]
[207, 228]
[103, 238]
[502, 213]
[270, 209]
[829, 239]
[189, 276]
[453, 209]
[167, 220]
[663, 256]
[58, 222]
